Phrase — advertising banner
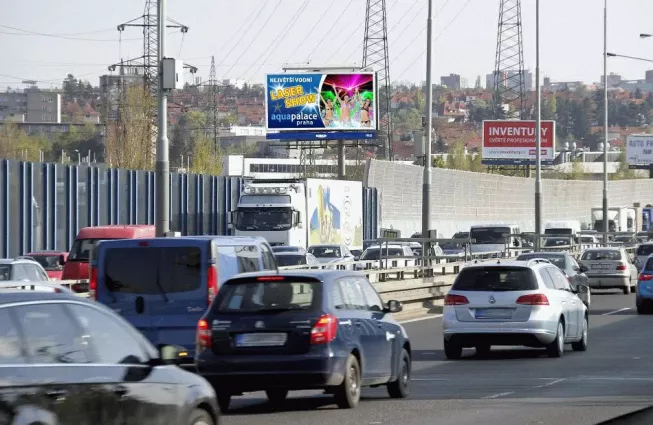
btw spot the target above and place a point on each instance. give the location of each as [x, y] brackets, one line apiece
[321, 102]
[515, 141]
[639, 149]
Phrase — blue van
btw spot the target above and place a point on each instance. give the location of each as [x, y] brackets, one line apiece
[163, 286]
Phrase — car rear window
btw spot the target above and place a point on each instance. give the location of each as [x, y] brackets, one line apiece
[325, 251]
[376, 254]
[49, 262]
[495, 279]
[557, 242]
[5, 271]
[602, 255]
[268, 297]
[153, 270]
[82, 249]
[557, 260]
[291, 260]
[645, 250]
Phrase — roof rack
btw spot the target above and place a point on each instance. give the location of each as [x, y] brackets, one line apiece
[34, 286]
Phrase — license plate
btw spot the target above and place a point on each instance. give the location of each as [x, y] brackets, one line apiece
[601, 266]
[261, 340]
[494, 313]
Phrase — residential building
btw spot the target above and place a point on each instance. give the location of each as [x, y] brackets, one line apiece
[509, 77]
[452, 81]
[31, 105]
[613, 80]
[110, 91]
[554, 86]
[53, 130]
[649, 76]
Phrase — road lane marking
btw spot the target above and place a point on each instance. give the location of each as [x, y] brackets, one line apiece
[498, 395]
[616, 311]
[421, 319]
[548, 384]
[428, 379]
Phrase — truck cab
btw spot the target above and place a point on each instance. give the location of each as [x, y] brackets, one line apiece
[275, 210]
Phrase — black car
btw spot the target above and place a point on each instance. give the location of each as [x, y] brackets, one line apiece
[297, 330]
[66, 360]
[564, 261]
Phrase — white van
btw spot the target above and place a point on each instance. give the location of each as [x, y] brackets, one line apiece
[563, 228]
[494, 238]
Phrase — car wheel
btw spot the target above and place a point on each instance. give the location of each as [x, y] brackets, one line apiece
[348, 393]
[581, 345]
[452, 350]
[200, 417]
[399, 387]
[483, 350]
[224, 400]
[627, 289]
[276, 396]
[641, 309]
[557, 347]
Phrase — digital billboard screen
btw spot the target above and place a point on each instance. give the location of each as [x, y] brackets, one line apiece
[321, 102]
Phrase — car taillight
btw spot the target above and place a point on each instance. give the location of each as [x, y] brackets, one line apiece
[644, 276]
[203, 337]
[533, 299]
[621, 267]
[212, 283]
[569, 279]
[92, 284]
[325, 330]
[455, 300]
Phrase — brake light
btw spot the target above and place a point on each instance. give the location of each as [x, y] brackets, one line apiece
[203, 336]
[325, 330]
[270, 278]
[645, 276]
[212, 283]
[621, 267]
[455, 300]
[92, 284]
[533, 299]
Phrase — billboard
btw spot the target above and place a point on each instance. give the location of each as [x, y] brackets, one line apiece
[511, 141]
[321, 102]
[639, 149]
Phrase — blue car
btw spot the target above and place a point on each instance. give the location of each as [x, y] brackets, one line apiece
[644, 297]
[302, 330]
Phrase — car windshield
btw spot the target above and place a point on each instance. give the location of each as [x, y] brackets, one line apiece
[452, 245]
[263, 219]
[376, 253]
[495, 279]
[286, 260]
[267, 296]
[558, 260]
[325, 251]
[649, 265]
[489, 235]
[587, 239]
[645, 250]
[5, 272]
[82, 249]
[49, 262]
[602, 255]
[286, 249]
[623, 239]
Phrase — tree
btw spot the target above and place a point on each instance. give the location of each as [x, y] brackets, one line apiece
[639, 94]
[623, 171]
[130, 142]
[17, 145]
[549, 107]
[457, 159]
[205, 159]
[191, 126]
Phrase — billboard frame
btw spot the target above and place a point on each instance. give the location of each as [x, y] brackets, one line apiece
[333, 134]
[517, 161]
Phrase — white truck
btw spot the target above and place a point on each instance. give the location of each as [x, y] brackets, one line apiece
[301, 212]
[562, 228]
[617, 219]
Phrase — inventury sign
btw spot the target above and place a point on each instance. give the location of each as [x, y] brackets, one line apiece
[515, 140]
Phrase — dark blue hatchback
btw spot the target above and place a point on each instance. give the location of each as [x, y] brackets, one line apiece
[297, 330]
[644, 297]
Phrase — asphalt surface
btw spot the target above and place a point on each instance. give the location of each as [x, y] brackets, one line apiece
[511, 386]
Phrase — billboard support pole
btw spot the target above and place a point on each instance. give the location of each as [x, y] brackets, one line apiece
[341, 160]
[428, 133]
[538, 130]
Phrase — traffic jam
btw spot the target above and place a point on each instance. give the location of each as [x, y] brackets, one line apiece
[207, 319]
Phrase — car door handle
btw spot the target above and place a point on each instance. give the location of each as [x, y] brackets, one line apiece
[57, 394]
[120, 391]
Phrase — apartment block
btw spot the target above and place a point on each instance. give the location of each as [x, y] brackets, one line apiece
[33, 105]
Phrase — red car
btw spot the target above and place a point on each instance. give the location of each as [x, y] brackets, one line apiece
[51, 261]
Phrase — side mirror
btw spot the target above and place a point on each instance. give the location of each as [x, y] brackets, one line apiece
[172, 354]
[394, 306]
[583, 268]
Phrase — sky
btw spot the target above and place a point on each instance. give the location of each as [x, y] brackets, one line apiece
[250, 38]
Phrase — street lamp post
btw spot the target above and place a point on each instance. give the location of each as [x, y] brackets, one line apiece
[538, 131]
[426, 184]
[605, 123]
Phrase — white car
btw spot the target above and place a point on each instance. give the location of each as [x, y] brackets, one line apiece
[332, 254]
[387, 256]
[610, 268]
[528, 303]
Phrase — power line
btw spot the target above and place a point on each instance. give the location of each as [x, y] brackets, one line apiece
[257, 12]
[433, 41]
[63, 34]
[64, 37]
[255, 36]
[281, 36]
[325, 36]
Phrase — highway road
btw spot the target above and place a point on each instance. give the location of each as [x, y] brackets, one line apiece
[511, 386]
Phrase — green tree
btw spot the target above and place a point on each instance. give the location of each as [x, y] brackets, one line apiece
[457, 159]
[549, 107]
[623, 171]
[204, 158]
